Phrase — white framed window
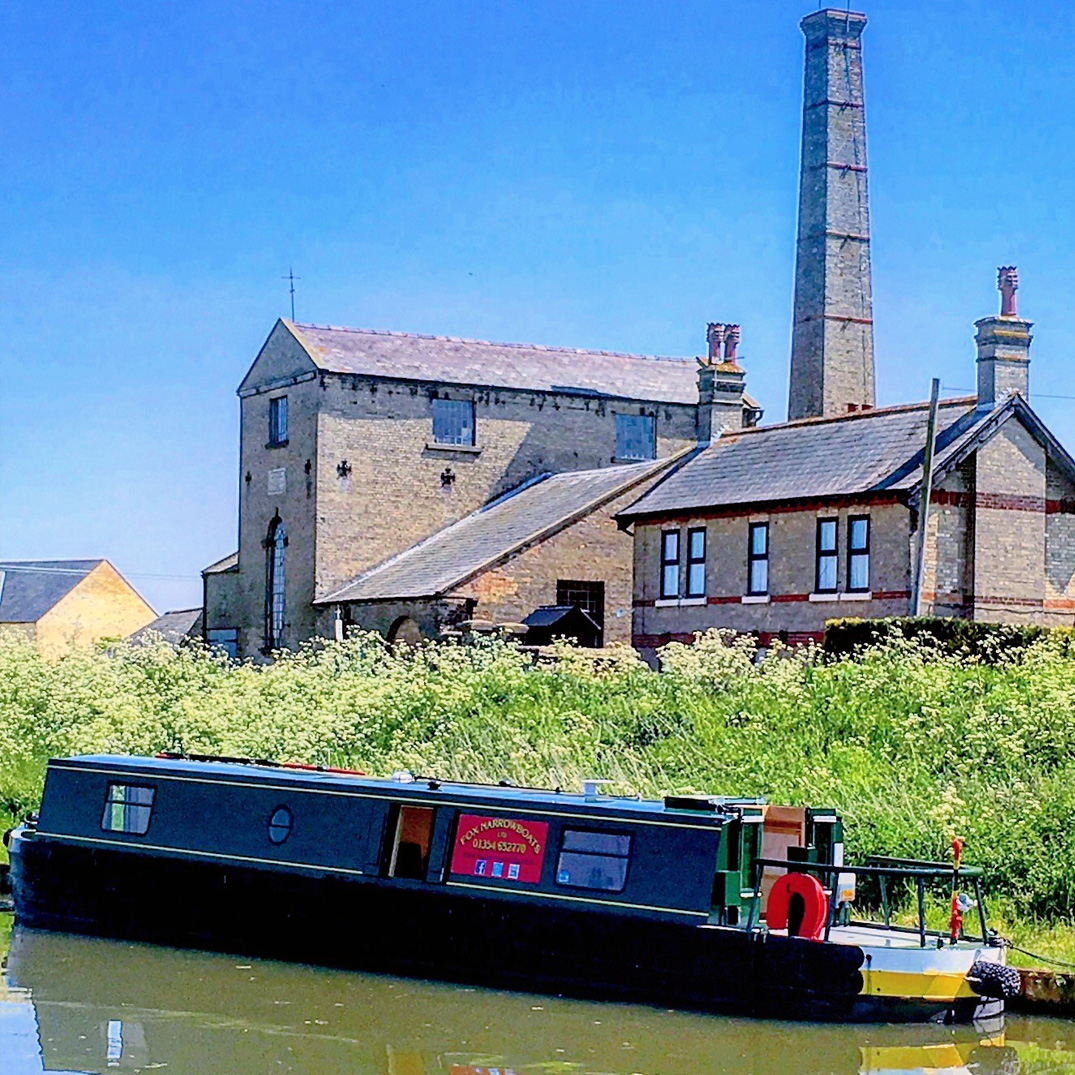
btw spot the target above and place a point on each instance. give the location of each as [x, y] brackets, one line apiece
[825, 571]
[758, 560]
[669, 563]
[696, 562]
[858, 554]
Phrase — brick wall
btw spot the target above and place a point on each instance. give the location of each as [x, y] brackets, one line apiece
[1009, 527]
[792, 606]
[282, 482]
[398, 490]
[948, 580]
[594, 549]
[362, 479]
[1059, 548]
[101, 605]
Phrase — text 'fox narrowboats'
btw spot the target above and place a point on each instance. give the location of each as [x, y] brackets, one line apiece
[701, 902]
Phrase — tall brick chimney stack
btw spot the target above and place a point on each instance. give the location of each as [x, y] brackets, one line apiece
[1003, 344]
[832, 333]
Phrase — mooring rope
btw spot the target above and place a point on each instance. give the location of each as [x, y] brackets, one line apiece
[1036, 955]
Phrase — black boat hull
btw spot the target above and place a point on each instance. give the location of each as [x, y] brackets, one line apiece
[431, 931]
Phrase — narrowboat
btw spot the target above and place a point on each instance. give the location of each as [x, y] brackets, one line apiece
[697, 902]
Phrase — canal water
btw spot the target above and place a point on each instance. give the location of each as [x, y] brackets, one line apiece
[76, 1004]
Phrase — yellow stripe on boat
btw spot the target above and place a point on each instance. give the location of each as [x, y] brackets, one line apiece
[940, 1056]
[895, 983]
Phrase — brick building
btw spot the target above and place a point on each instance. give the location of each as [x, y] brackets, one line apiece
[776, 529]
[62, 603]
[410, 483]
[359, 446]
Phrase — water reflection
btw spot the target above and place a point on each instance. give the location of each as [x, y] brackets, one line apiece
[89, 1005]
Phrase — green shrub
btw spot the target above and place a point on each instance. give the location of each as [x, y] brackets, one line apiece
[912, 742]
[964, 638]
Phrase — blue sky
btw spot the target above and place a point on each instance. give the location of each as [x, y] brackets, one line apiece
[587, 174]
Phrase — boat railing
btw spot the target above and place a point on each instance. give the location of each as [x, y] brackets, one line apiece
[884, 869]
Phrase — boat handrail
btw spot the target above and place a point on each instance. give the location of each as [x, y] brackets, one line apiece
[945, 867]
[919, 871]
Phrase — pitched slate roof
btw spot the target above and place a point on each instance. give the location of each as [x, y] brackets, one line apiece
[550, 615]
[489, 535]
[29, 588]
[229, 563]
[499, 365]
[175, 625]
[814, 458]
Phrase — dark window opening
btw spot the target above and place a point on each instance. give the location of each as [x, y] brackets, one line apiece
[453, 421]
[669, 563]
[589, 596]
[128, 808]
[594, 860]
[636, 436]
[758, 560]
[280, 822]
[224, 638]
[696, 562]
[405, 631]
[409, 854]
[858, 554]
[827, 555]
[277, 421]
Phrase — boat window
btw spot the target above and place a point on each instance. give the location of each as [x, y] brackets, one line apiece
[127, 809]
[280, 823]
[410, 847]
[595, 860]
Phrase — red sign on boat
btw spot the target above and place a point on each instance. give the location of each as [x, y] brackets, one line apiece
[503, 848]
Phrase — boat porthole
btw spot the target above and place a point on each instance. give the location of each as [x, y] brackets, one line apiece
[280, 825]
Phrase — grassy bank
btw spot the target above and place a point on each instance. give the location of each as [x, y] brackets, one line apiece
[911, 745]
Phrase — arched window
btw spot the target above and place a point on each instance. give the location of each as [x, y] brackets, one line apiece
[274, 584]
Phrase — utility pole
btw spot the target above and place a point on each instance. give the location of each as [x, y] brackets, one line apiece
[291, 278]
[925, 492]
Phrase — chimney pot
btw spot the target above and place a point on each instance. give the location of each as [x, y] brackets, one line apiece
[714, 336]
[1007, 285]
[1003, 344]
[731, 343]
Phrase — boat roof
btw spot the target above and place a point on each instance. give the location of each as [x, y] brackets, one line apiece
[433, 789]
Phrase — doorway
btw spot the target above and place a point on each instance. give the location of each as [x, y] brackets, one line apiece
[412, 836]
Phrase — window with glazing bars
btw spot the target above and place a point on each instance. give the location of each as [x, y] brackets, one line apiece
[670, 563]
[636, 436]
[827, 556]
[275, 565]
[128, 808]
[696, 562]
[278, 421]
[858, 554]
[453, 421]
[758, 560]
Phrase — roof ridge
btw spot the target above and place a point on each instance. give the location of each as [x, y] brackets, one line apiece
[39, 565]
[872, 412]
[488, 343]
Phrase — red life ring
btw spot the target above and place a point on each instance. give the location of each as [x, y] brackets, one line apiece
[815, 905]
